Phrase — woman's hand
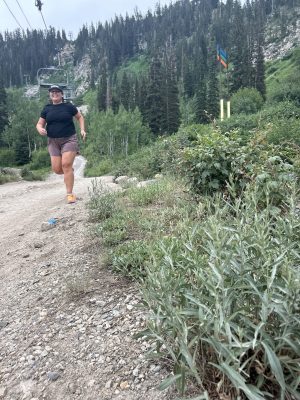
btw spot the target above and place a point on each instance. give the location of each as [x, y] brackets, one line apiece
[42, 131]
[83, 134]
[40, 126]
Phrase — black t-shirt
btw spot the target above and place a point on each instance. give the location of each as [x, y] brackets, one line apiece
[59, 118]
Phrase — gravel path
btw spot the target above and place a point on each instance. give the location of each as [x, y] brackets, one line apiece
[66, 323]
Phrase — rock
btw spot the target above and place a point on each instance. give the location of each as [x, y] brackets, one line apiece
[124, 385]
[3, 324]
[38, 244]
[146, 183]
[132, 181]
[3, 392]
[46, 227]
[53, 376]
[11, 171]
[108, 384]
[121, 179]
[72, 387]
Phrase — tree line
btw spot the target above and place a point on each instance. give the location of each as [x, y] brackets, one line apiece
[162, 63]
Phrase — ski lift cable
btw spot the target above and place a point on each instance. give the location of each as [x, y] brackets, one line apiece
[39, 4]
[44, 20]
[24, 14]
[13, 16]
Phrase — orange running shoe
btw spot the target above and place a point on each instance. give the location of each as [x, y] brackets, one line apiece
[71, 198]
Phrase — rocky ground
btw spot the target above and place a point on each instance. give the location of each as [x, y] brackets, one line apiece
[66, 323]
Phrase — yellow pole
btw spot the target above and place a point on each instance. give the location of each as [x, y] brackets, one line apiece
[228, 109]
[222, 109]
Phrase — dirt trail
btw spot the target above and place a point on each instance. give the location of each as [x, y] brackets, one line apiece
[66, 324]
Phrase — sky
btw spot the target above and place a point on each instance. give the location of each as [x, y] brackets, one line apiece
[69, 15]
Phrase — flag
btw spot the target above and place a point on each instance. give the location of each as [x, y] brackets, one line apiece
[222, 56]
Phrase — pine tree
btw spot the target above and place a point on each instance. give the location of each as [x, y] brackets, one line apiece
[3, 111]
[92, 80]
[212, 88]
[125, 92]
[259, 81]
[155, 102]
[22, 149]
[239, 51]
[188, 81]
[102, 89]
[260, 71]
[171, 114]
[201, 115]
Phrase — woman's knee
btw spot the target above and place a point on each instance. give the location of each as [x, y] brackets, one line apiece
[57, 169]
[66, 166]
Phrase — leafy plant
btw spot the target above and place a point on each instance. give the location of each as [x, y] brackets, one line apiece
[102, 203]
[224, 300]
[246, 100]
[130, 258]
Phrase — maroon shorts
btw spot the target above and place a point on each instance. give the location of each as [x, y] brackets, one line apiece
[57, 146]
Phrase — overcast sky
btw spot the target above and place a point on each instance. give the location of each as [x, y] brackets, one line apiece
[69, 15]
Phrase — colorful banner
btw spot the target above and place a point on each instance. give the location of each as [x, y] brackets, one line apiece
[222, 56]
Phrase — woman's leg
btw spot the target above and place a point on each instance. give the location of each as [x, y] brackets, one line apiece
[56, 164]
[67, 167]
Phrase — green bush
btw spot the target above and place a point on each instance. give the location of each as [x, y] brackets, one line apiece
[161, 156]
[285, 91]
[29, 175]
[208, 164]
[284, 132]
[246, 100]
[7, 157]
[224, 298]
[279, 111]
[217, 160]
[143, 164]
[40, 159]
[102, 203]
[130, 258]
[6, 175]
[99, 168]
[244, 125]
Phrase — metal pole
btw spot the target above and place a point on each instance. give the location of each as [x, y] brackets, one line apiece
[222, 109]
[228, 109]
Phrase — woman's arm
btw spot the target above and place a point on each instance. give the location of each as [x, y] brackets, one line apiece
[80, 119]
[40, 126]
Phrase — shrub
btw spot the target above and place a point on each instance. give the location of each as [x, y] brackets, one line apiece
[286, 90]
[279, 111]
[102, 203]
[99, 168]
[161, 156]
[244, 125]
[217, 160]
[246, 100]
[208, 164]
[284, 131]
[144, 164]
[224, 301]
[7, 157]
[130, 258]
[40, 159]
[29, 175]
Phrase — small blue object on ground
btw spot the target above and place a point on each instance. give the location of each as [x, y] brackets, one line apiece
[52, 221]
